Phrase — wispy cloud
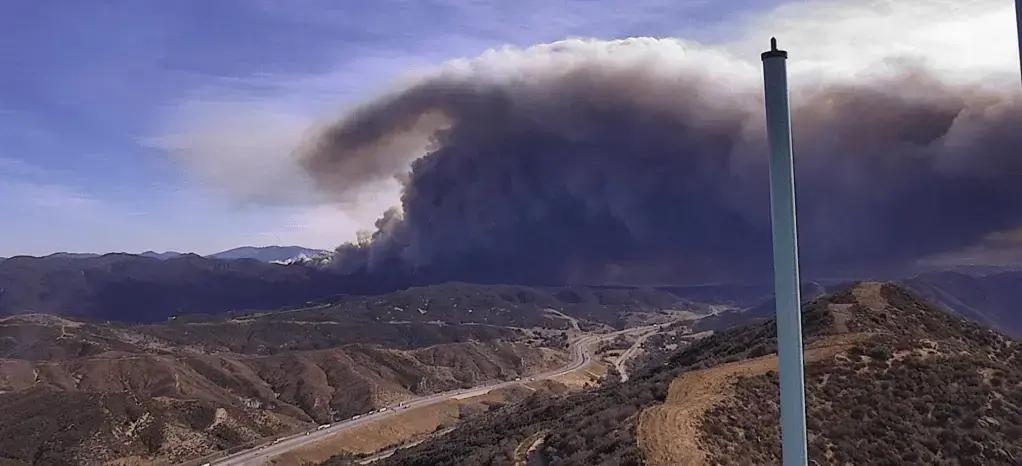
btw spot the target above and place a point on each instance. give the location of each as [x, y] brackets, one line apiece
[60, 200]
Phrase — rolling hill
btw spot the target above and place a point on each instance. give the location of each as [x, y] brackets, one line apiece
[86, 393]
[890, 380]
[131, 288]
[134, 288]
[161, 255]
[89, 392]
[990, 299]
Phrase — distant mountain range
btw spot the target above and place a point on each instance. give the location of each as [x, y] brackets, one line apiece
[161, 255]
[153, 286]
[134, 288]
[280, 254]
[269, 254]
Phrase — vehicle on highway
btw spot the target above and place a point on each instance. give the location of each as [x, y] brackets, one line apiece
[323, 426]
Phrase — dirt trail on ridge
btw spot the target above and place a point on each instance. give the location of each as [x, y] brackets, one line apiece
[668, 434]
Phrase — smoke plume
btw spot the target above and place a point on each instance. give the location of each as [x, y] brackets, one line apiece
[645, 160]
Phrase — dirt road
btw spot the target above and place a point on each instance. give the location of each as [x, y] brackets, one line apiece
[668, 434]
[630, 353]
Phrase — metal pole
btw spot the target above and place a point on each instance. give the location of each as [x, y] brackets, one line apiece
[786, 283]
[1018, 26]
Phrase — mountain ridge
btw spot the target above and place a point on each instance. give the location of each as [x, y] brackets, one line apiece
[269, 253]
[89, 393]
[128, 287]
[991, 299]
[894, 337]
[272, 253]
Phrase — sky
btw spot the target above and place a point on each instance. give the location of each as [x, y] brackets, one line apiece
[111, 110]
[152, 125]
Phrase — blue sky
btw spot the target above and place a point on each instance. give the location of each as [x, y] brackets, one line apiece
[135, 125]
[91, 92]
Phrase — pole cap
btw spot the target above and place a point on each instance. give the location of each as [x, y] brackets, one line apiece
[773, 52]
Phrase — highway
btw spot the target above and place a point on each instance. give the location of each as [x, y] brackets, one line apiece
[581, 349]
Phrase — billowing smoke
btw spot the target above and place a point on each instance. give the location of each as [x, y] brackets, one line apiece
[645, 160]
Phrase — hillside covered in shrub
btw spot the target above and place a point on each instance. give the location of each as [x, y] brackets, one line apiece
[900, 382]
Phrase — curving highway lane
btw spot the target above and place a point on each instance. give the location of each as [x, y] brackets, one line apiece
[581, 349]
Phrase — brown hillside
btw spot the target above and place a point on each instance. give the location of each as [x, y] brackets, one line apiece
[890, 380]
[80, 393]
[923, 388]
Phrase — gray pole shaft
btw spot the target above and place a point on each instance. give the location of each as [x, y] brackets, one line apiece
[1018, 26]
[785, 242]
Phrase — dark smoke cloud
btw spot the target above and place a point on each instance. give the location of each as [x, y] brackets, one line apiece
[638, 161]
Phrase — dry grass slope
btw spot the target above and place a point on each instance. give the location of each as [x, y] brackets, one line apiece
[891, 380]
[924, 388]
[77, 393]
[669, 434]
